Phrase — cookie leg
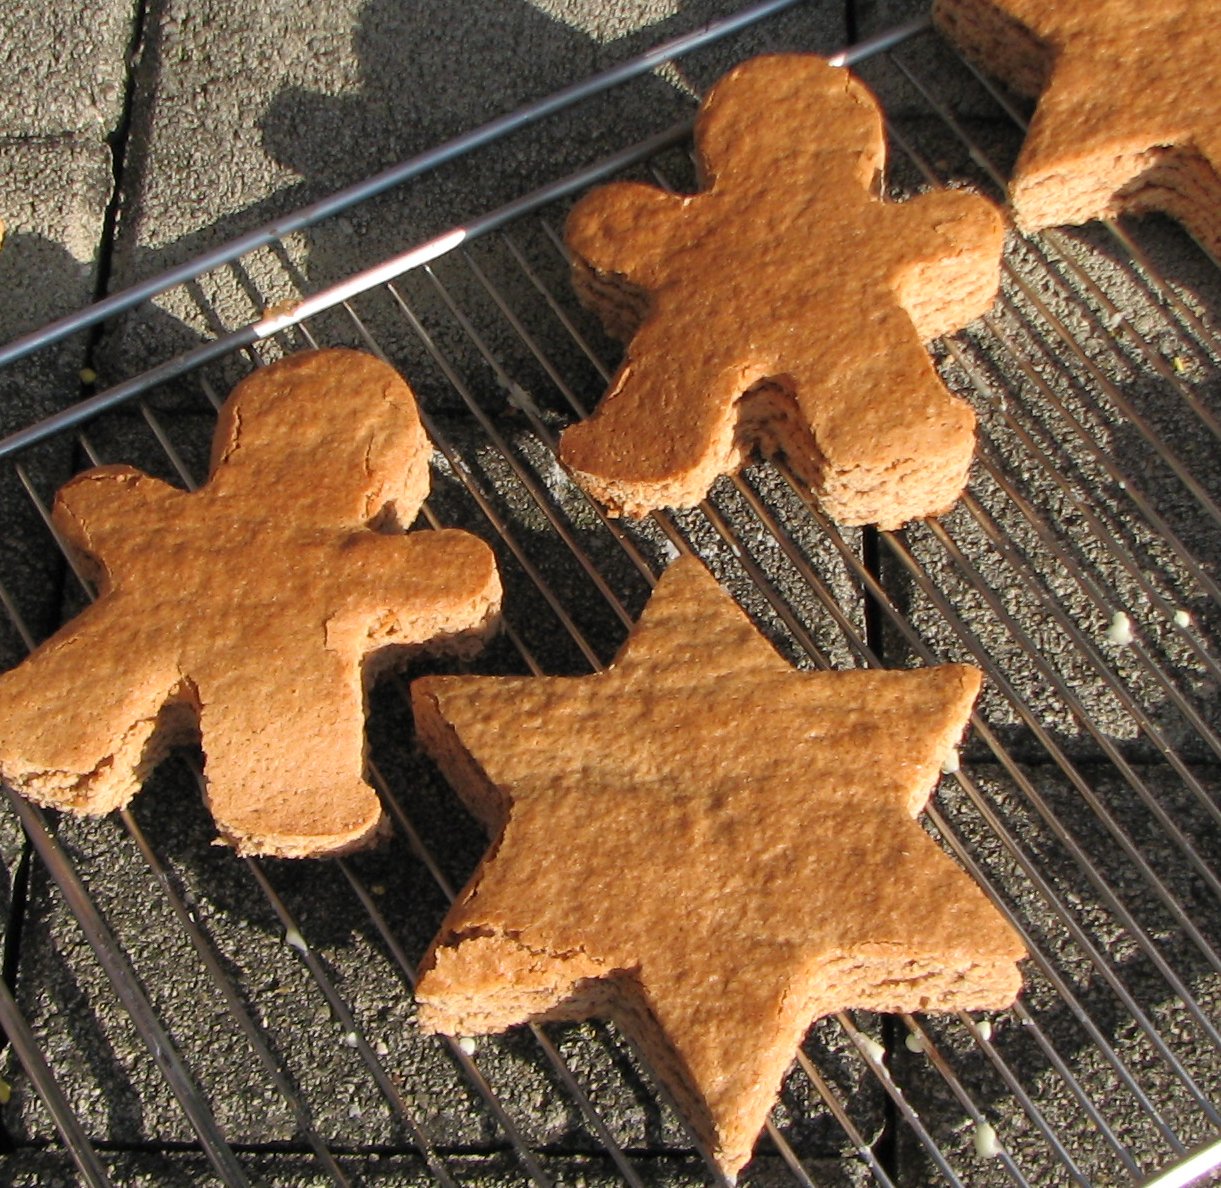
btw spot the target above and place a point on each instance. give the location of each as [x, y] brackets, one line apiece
[284, 757]
[1078, 164]
[890, 444]
[666, 428]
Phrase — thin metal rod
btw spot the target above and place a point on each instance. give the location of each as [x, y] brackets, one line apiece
[102, 402]
[1105, 601]
[873, 1061]
[126, 985]
[1039, 451]
[1106, 746]
[25, 1044]
[982, 731]
[294, 939]
[454, 1048]
[1014, 1084]
[863, 1149]
[1101, 885]
[233, 1001]
[948, 1075]
[1030, 1025]
[1190, 1170]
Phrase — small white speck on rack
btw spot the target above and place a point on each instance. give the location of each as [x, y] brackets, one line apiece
[873, 1050]
[467, 1044]
[1182, 618]
[950, 764]
[1120, 630]
[519, 398]
[294, 940]
[986, 1146]
[914, 1042]
[984, 1027]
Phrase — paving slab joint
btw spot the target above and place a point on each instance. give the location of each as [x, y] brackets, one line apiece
[118, 142]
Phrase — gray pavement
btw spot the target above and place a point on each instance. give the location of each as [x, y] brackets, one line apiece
[134, 136]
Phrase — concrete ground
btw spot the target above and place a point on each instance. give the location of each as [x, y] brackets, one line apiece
[135, 136]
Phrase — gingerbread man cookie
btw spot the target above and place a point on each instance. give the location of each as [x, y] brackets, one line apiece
[1129, 111]
[250, 613]
[783, 307]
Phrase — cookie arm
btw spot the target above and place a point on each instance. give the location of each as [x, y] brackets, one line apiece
[956, 278]
[1078, 159]
[624, 230]
[414, 589]
[83, 719]
[108, 512]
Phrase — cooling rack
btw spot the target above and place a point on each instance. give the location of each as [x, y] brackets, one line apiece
[175, 1014]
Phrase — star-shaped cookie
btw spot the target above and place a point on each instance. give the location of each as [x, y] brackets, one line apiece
[251, 612]
[710, 847]
[1129, 110]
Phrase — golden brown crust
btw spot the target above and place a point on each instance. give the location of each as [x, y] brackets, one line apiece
[1129, 111]
[247, 612]
[709, 847]
[786, 272]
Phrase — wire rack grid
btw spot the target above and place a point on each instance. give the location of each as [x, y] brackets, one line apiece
[148, 974]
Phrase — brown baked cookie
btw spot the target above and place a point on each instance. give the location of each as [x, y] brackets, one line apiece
[1129, 111]
[250, 612]
[783, 307]
[709, 847]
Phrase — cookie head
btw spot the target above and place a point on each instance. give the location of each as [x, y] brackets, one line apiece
[282, 423]
[820, 122]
